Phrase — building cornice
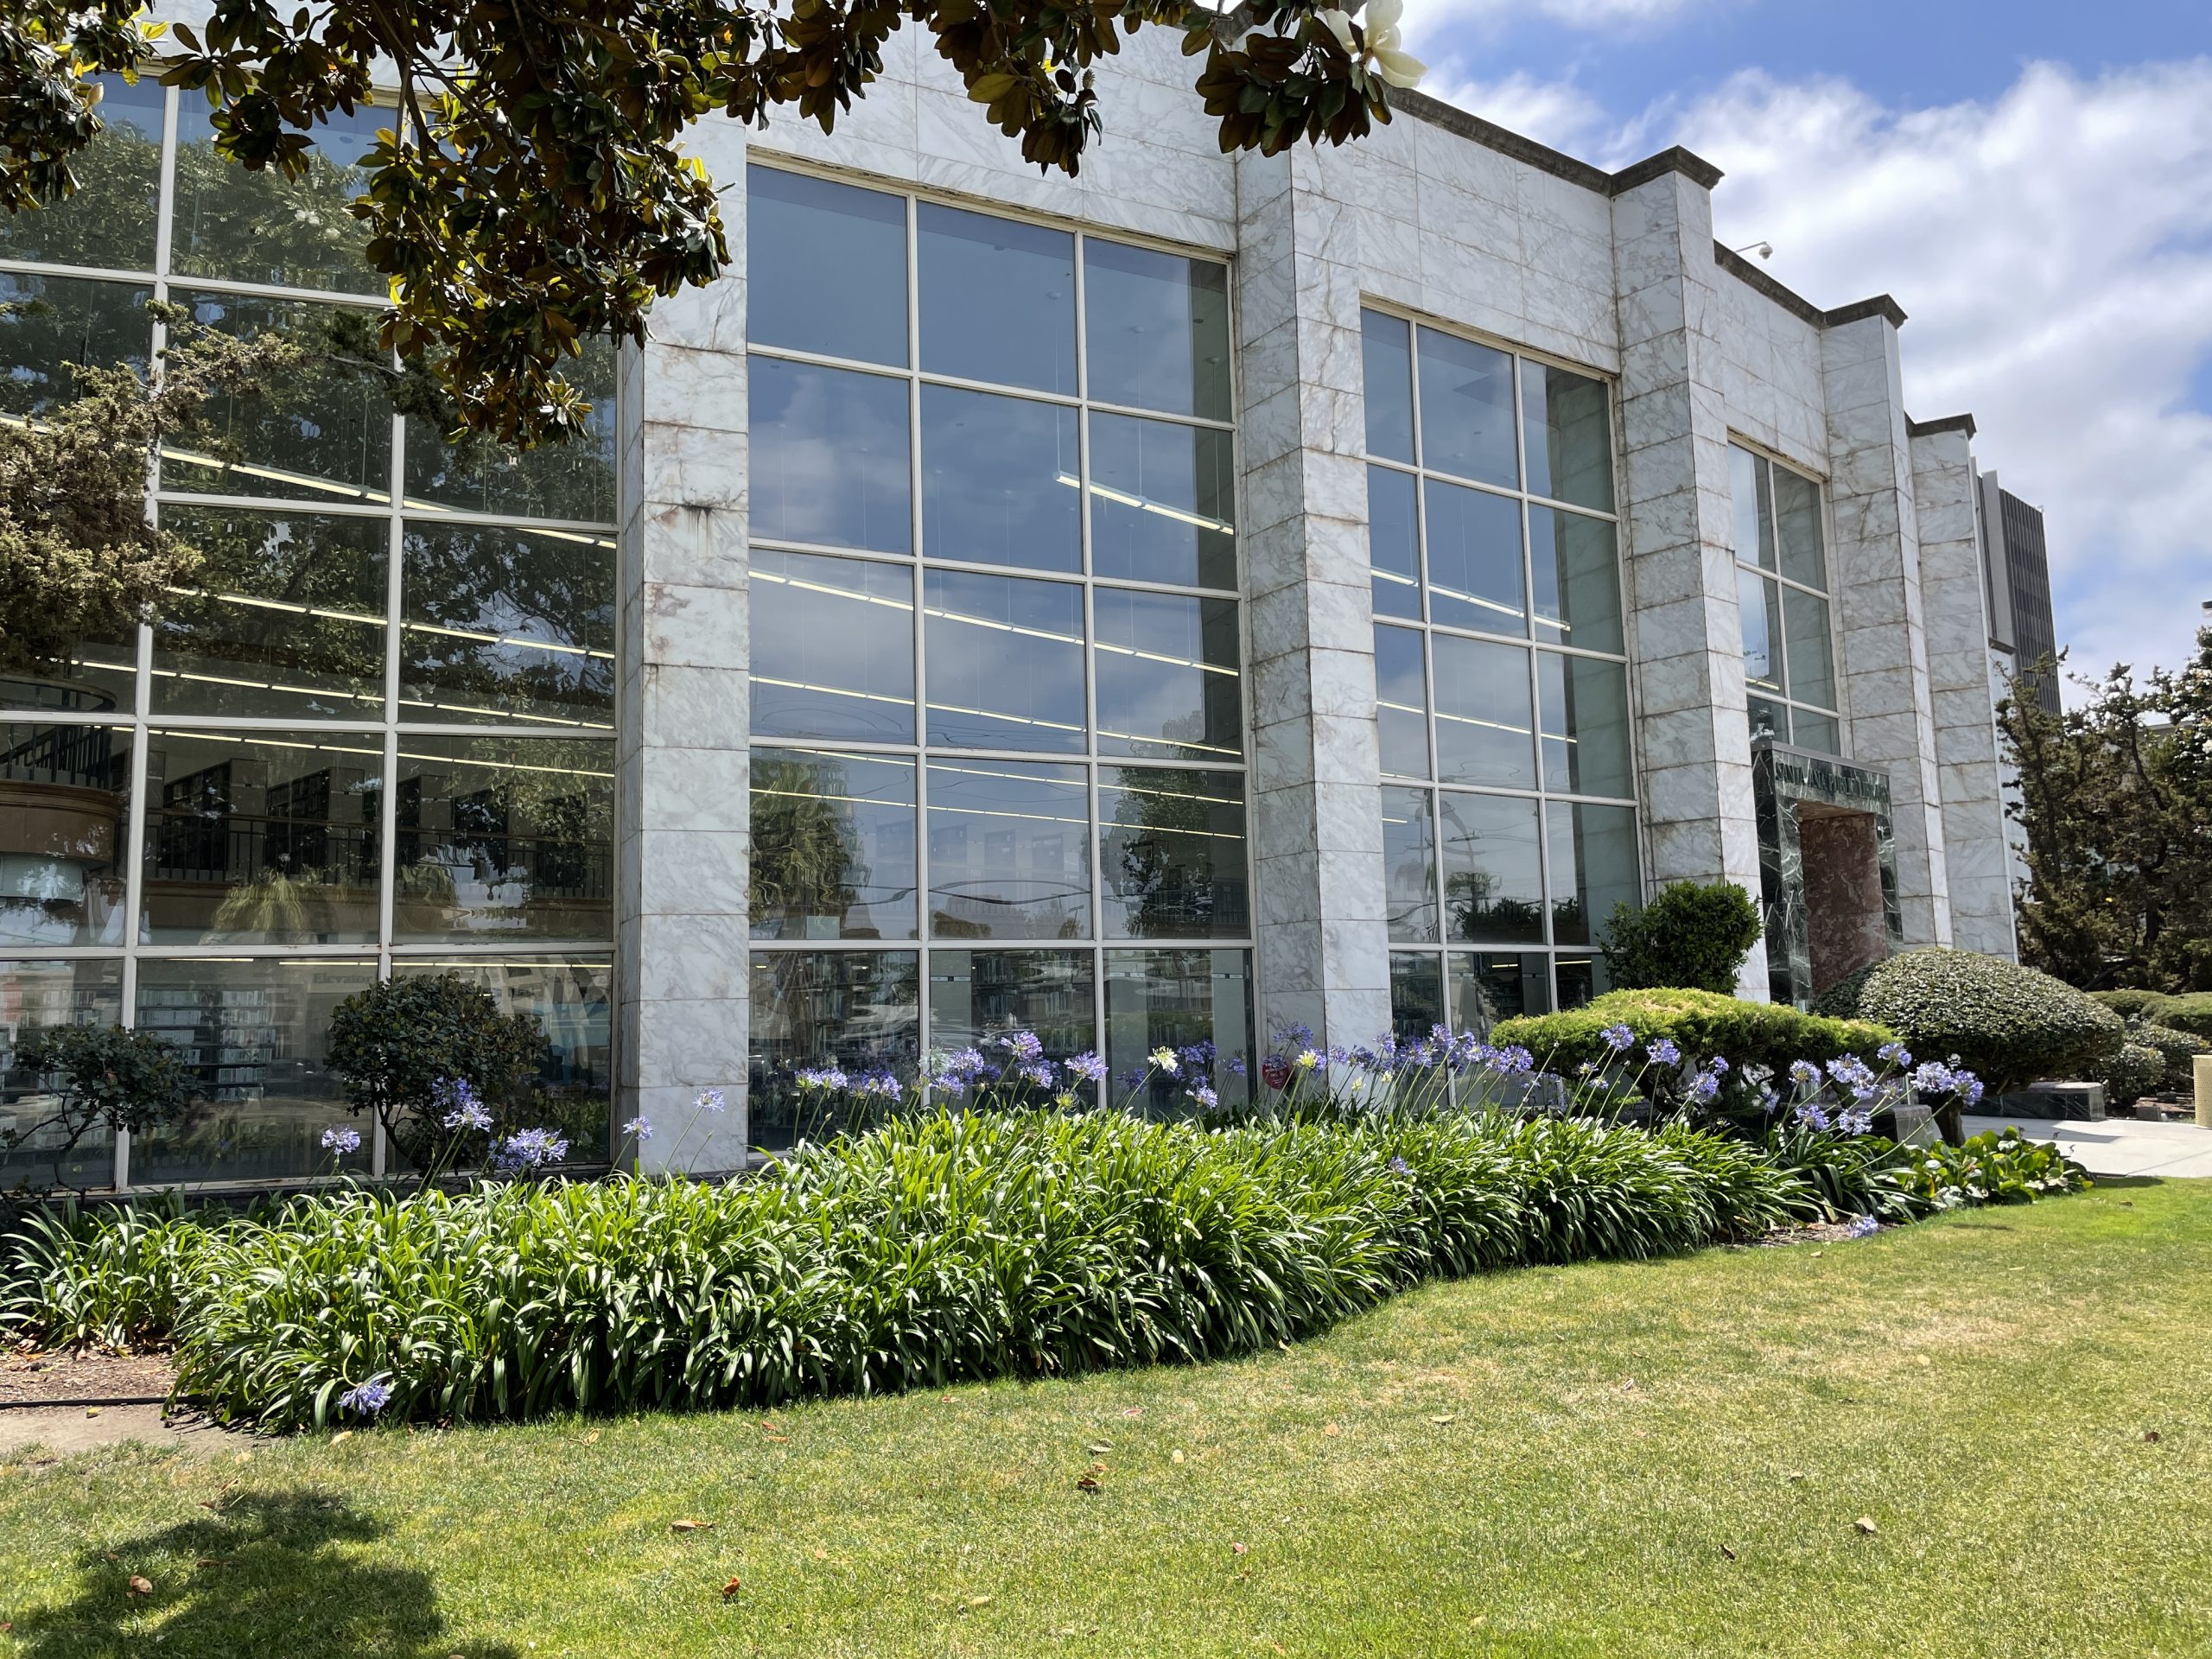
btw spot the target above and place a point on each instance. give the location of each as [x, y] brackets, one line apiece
[1545, 159]
[1942, 423]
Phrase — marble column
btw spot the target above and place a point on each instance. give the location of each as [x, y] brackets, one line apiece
[682, 868]
[1324, 958]
[1952, 589]
[1686, 638]
[1874, 574]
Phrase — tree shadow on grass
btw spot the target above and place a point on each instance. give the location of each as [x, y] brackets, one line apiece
[266, 1576]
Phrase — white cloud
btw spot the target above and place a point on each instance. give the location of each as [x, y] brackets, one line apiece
[2053, 249]
[1422, 14]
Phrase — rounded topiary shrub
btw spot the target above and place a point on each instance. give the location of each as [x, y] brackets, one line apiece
[2192, 1012]
[2129, 1072]
[2010, 1026]
[2177, 1049]
[2130, 1004]
[1701, 1023]
[1688, 936]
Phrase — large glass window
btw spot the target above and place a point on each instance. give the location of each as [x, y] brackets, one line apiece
[1500, 674]
[1782, 598]
[1039, 467]
[371, 734]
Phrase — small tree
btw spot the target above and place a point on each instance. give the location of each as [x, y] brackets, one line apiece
[1688, 937]
[102, 1075]
[403, 1045]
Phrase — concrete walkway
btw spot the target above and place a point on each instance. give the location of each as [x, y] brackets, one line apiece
[2117, 1146]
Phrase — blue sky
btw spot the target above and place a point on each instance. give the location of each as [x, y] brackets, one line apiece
[2032, 182]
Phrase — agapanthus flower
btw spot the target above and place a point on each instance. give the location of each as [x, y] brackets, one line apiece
[1295, 1036]
[1309, 1059]
[1804, 1074]
[1166, 1059]
[1705, 1090]
[1894, 1054]
[1399, 1166]
[1037, 1071]
[1718, 1066]
[1853, 1074]
[1620, 1038]
[1810, 1117]
[1515, 1060]
[1024, 1045]
[463, 1111]
[961, 1069]
[878, 1083]
[640, 1127]
[824, 1080]
[1863, 1227]
[1205, 1095]
[1854, 1121]
[710, 1100]
[341, 1140]
[1088, 1067]
[366, 1398]
[1198, 1056]
[1235, 1066]
[527, 1149]
[1663, 1051]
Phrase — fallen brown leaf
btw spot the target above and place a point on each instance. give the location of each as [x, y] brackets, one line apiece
[1097, 1468]
[735, 1585]
[1330, 1430]
[1132, 1411]
[92, 1411]
[2151, 1435]
[1865, 1525]
[1176, 1456]
[979, 1601]
[821, 1555]
[1099, 1448]
[341, 1437]
[780, 1439]
[1729, 1553]
[592, 1439]
[140, 1587]
[1241, 1550]
[1447, 1417]
[688, 1526]
[1088, 1483]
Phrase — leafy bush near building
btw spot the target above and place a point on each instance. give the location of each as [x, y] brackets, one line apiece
[1700, 1023]
[1990, 1169]
[2130, 1004]
[1688, 935]
[2130, 1072]
[2192, 1012]
[2177, 1049]
[2009, 1024]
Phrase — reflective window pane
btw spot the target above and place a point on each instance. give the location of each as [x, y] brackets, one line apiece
[997, 300]
[1754, 507]
[324, 434]
[1409, 864]
[1593, 869]
[572, 999]
[1010, 850]
[827, 459]
[1575, 567]
[1493, 872]
[825, 267]
[975, 995]
[254, 839]
[833, 846]
[1387, 369]
[1401, 702]
[111, 220]
[857, 1008]
[1570, 435]
[1797, 526]
[1807, 648]
[1197, 1002]
[1585, 714]
[1816, 732]
[48, 323]
[506, 837]
[255, 1031]
[1760, 607]
[574, 480]
[1163, 502]
[65, 830]
[263, 227]
[1394, 542]
[999, 477]
[1489, 986]
[1581, 978]
[1474, 559]
[1483, 729]
[505, 626]
[1158, 328]
[1005, 662]
[1167, 680]
[1171, 853]
[35, 1150]
[1769, 719]
[287, 618]
[1466, 409]
[1416, 995]
[833, 648]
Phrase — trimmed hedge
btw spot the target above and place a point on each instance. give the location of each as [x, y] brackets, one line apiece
[1701, 1023]
[2192, 1012]
[2177, 1049]
[1688, 936]
[2130, 1072]
[2128, 1004]
[2008, 1024]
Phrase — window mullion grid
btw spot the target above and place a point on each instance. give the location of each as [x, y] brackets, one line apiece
[923, 1034]
[1094, 855]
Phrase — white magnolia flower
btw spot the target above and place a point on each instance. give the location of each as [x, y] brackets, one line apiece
[1379, 27]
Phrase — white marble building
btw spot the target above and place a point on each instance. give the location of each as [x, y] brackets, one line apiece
[1215, 595]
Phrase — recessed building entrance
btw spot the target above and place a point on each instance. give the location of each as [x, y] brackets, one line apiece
[1828, 869]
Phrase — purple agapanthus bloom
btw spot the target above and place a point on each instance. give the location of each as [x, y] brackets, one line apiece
[1087, 1067]
[963, 1069]
[366, 1398]
[1037, 1071]
[710, 1100]
[1663, 1051]
[341, 1140]
[878, 1083]
[1854, 1121]
[1864, 1227]
[1894, 1054]
[1620, 1038]
[1705, 1090]
[1515, 1060]
[463, 1111]
[1718, 1066]
[827, 1079]
[1024, 1045]
[1399, 1166]
[528, 1149]
[639, 1127]
[1235, 1066]
[1804, 1074]
[1810, 1117]
[1205, 1096]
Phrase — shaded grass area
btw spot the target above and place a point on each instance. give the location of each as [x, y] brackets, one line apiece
[1664, 1459]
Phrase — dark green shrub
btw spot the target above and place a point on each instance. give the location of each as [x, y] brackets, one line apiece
[2178, 1049]
[1701, 1024]
[2131, 1005]
[1988, 1169]
[2190, 1012]
[400, 1045]
[2008, 1024]
[2129, 1072]
[1688, 935]
[99, 1076]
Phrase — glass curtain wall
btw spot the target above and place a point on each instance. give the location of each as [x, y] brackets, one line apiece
[1508, 801]
[1781, 590]
[998, 764]
[372, 736]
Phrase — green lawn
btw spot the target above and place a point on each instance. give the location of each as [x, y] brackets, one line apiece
[1605, 1460]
